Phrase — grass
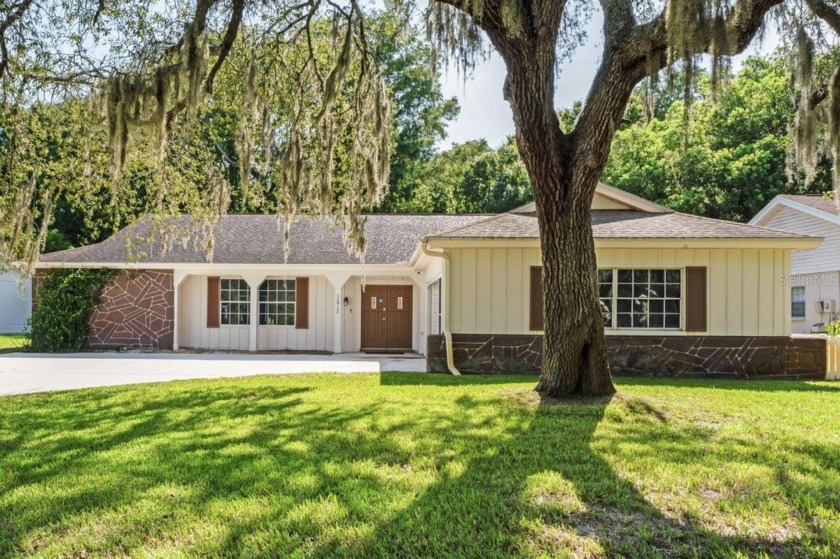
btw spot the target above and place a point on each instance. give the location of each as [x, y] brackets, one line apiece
[13, 342]
[415, 465]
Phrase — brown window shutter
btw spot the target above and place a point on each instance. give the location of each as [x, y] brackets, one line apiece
[695, 299]
[214, 299]
[537, 322]
[302, 303]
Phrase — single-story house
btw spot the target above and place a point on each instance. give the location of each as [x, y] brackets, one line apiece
[15, 303]
[815, 274]
[683, 295]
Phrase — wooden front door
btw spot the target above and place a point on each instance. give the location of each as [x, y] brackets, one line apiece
[387, 317]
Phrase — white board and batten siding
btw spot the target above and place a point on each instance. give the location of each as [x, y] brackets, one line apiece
[490, 287]
[194, 333]
[15, 303]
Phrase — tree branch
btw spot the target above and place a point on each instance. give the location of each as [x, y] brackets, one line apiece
[618, 18]
[17, 11]
[227, 41]
[826, 13]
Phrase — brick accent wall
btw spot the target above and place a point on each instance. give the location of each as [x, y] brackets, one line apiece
[665, 356]
[137, 311]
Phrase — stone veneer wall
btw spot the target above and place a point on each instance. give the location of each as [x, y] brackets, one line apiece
[664, 356]
[136, 311]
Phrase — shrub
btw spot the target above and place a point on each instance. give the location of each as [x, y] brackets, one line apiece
[64, 303]
[833, 328]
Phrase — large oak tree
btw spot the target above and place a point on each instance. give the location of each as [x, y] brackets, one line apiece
[310, 117]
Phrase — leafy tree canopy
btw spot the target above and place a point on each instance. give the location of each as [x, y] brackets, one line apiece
[734, 156]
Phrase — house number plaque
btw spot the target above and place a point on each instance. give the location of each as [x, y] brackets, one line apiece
[399, 303]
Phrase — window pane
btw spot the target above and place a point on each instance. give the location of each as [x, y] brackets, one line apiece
[235, 305]
[279, 307]
[797, 297]
[650, 299]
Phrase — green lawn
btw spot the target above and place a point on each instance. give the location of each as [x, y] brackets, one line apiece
[415, 465]
[13, 342]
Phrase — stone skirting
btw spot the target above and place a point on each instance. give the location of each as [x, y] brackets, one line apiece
[665, 356]
[136, 311]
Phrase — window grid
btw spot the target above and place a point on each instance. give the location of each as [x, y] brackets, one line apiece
[235, 302]
[277, 302]
[641, 298]
[797, 301]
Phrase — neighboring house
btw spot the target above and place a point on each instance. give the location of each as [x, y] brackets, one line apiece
[814, 281]
[685, 295]
[15, 303]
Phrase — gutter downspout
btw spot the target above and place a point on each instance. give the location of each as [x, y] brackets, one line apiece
[444, 300]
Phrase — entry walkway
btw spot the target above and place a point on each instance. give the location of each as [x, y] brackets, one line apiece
[22, 373]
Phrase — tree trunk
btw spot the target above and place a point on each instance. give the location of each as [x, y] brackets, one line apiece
[574, 348]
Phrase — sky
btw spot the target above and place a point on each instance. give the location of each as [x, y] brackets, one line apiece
[485, 113]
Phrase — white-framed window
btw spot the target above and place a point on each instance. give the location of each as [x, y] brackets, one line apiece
[277, 302]
[235, 302]
[797, 301]
[641, 298]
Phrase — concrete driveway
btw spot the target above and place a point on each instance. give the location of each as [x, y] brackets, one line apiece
[22, 373]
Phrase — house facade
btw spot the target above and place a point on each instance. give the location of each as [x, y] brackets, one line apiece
[815, 274]
[15, 303]
[682, 295]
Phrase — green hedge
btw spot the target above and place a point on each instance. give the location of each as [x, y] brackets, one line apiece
[64, 303]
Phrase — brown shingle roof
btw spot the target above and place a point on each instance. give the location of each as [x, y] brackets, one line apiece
[258, 239]
[817, 201]
[613, 224]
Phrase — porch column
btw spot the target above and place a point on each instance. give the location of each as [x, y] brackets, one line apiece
[254, 282]
[420, 321]
[337, 281]
[178, 278]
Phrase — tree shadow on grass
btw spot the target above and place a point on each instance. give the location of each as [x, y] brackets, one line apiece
[747, 385]
[544, 490]
[271, 468]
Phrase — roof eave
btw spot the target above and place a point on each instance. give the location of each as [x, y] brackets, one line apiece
[795, 243]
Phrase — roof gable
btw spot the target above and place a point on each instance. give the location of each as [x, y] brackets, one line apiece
[609, 198]
[816, 206]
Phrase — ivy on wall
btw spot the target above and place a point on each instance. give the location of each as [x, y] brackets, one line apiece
[64, 302]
